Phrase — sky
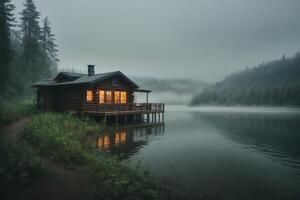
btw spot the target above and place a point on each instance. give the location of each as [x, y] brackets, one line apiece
[197, 39]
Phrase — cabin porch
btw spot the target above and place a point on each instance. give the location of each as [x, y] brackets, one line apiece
[126, 113]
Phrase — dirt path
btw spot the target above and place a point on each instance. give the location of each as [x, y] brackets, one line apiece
[60, 183]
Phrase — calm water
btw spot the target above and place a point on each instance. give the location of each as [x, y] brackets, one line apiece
[218, 153]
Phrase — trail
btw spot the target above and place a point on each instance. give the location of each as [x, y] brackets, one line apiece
[60, 182]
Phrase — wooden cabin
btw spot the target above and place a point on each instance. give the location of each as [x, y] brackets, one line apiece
[102, 95]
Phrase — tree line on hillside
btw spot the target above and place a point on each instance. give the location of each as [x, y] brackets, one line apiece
[180, 86]
[273, 83]
[28, 49]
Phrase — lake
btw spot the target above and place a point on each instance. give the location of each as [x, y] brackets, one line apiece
[217, 153]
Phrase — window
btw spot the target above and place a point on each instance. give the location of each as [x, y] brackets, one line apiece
[89, 95]
[123, 97]
[101, 96]
[117, 96]
[108, 97]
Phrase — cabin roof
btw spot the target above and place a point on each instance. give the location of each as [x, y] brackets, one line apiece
[68, 78]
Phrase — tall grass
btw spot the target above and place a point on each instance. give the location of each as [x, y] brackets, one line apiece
[10, 112]
[64, 138]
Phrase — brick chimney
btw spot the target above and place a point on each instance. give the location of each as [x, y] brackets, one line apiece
[91, 70]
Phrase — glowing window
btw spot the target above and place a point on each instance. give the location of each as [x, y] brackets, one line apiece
[101, 96]
[89, 95]
[123, 97]
[117, 96]
[108, 97]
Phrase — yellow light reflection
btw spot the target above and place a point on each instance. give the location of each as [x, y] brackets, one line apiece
[117, 138]
[120, 138]
[104, 142]
[123, 137]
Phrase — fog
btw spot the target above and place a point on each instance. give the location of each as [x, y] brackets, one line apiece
[197, 39]
[271, 110]
[169, 98]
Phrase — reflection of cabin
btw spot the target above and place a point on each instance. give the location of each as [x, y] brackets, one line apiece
[102, 95]
[126, 141]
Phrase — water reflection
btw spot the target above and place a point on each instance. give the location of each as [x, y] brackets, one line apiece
[125, 141]
[217, 155]
[274, 135]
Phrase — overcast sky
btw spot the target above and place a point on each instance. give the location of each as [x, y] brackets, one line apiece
[198, 39]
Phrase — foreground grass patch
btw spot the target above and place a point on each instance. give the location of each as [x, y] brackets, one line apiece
[64, 138]
[19, 169]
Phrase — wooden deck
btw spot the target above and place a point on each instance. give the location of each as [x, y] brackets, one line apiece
[133, 113]
[123, 109]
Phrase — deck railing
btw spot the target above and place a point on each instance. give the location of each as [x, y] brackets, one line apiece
[108, 107]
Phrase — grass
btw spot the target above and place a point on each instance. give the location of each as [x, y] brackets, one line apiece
[10, 112]
[65, 138]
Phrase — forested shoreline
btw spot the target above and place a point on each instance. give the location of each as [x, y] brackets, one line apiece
[275, 83]
[28, 50]
[181, 86]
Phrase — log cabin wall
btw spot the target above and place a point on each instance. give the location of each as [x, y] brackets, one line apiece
[68, 98]
[45, 98]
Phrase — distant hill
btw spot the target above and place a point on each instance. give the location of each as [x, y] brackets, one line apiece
[171, 91]
[170, 85]
[273, 83]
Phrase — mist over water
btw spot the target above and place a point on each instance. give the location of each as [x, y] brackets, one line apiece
[170, 98]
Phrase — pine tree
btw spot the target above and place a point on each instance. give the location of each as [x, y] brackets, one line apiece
[48, 40]
[49, 46]
[31, 34]
[6, 23]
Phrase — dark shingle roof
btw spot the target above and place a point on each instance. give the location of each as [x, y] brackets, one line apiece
[76, 78]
